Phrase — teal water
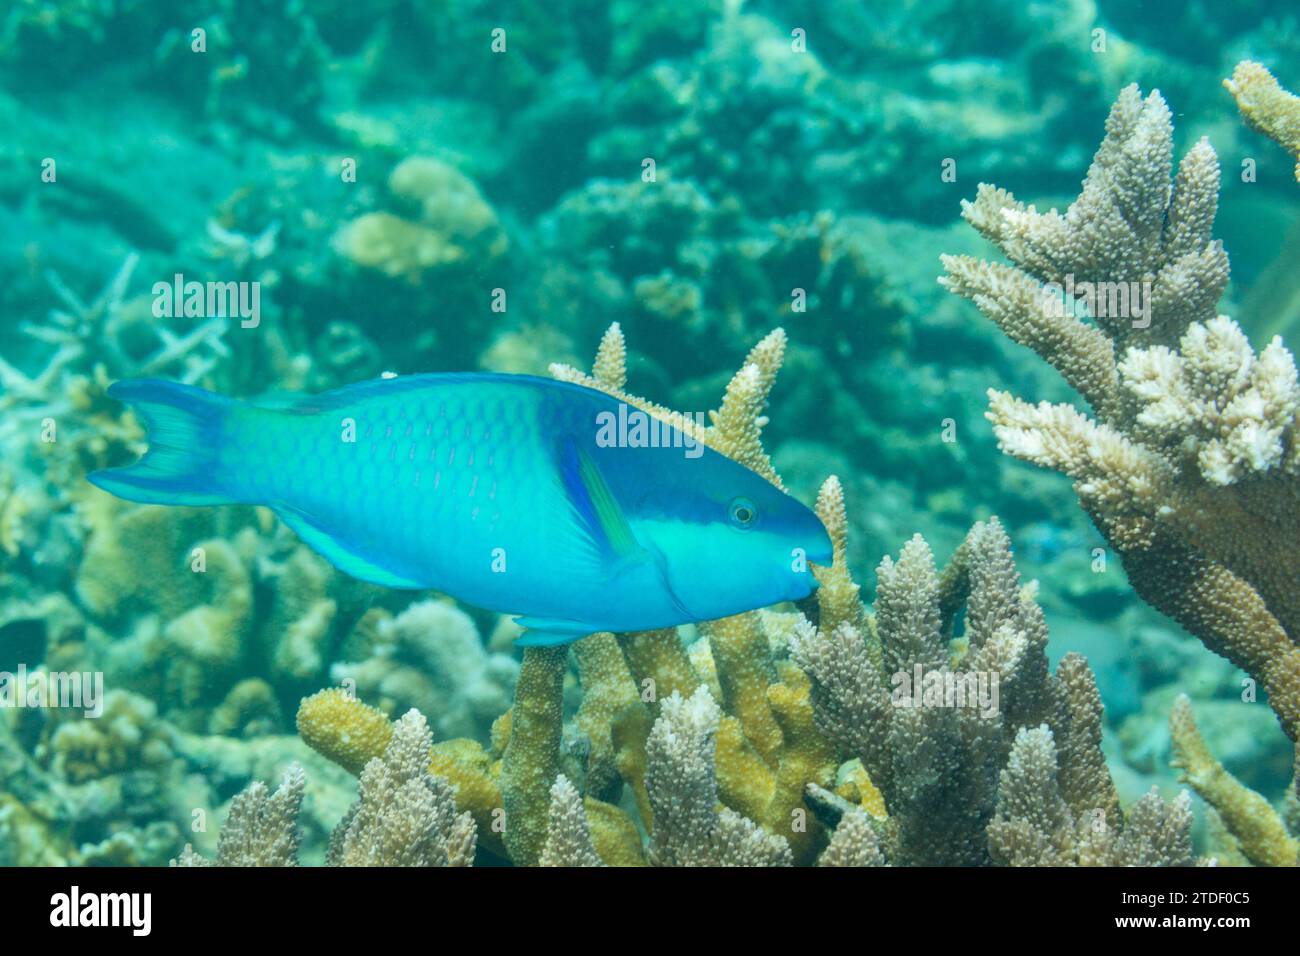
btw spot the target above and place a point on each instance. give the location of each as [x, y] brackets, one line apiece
[453, 186]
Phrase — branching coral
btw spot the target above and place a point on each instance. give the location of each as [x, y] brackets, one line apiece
[1036, 825]
[933, 720]
[568, 835]
[1266, 106]
[1191, 465]
[1259, 832]
[734, 429]
[680, 778]
[262, 827]
[404, 816]
[854, 843]
[89, 344]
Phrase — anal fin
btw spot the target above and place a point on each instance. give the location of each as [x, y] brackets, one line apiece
[550, 632]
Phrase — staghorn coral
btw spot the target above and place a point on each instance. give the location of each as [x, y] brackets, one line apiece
[1259, 833]
[531, 760]
[1266, 106]
[1035, 824]
[854, 843]
[104, 332]
[1190, 465]
[261, 829]
[680, 779]
[568, 835]
[734, 428]
[404, 815]
[607, 695]
[927, 749]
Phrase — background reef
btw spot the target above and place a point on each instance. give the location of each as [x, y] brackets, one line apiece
[502, 216]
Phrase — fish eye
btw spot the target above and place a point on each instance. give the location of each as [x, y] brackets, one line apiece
[742, 513]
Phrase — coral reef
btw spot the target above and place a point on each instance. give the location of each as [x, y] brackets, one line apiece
[795, 765]
[1191, 463]
[940, 739]
[410, 198]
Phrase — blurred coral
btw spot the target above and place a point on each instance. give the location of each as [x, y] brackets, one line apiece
[1266, 106]
[1260, 834]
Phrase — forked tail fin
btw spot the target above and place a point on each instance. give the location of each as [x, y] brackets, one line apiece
[186, 430]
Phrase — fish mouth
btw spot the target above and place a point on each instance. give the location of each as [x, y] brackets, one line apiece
[665, 576]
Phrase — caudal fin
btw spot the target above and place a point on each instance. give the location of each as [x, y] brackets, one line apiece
[186, 430]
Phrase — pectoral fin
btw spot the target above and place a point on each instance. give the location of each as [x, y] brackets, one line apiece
[597, 510]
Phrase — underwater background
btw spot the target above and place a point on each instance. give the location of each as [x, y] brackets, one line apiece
[444, 186]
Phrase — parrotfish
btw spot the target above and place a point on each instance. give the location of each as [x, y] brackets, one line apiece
[508, 492]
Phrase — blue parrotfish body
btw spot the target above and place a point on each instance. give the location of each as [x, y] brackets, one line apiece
[505, 491]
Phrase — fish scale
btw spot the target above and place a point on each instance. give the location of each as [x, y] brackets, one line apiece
[497, 489]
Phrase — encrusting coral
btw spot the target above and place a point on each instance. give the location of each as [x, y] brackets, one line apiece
[1191, 464]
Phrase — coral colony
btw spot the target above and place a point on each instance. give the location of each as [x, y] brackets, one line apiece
[309, 702]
